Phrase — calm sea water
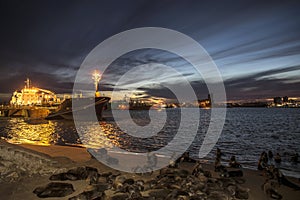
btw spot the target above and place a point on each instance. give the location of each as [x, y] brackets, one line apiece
[246, 133]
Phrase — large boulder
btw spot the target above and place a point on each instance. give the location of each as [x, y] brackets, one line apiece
[54, 189]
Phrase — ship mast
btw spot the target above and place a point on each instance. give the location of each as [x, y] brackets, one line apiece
[27, 83]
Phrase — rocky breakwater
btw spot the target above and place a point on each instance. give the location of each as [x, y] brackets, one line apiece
[17, 163]
[167, 184]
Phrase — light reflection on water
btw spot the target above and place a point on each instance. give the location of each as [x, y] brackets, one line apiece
[92, 137]
[31, 132]
[38, 132]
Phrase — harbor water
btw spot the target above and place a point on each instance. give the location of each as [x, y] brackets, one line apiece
[246, 133]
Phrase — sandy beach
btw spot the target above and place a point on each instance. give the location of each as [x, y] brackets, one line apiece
[66, 157]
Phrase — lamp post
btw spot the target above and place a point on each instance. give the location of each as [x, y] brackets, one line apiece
[96, 77]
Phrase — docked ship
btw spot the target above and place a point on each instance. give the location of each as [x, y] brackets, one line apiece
[88, 105]
[31, 102]
[33, 96]
[85, 106]
[36, 103]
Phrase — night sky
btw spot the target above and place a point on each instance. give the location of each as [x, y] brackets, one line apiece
[255, 45]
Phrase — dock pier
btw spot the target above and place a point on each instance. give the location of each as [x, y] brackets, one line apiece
[26, 111]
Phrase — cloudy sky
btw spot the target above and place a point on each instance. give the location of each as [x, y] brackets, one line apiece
[255, 45]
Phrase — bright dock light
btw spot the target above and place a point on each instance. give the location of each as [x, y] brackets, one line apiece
[96, 77]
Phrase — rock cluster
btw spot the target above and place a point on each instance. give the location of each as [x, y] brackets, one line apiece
[95, 190]
[17, 163]
[273, 180]
[180, 184]
[169, 184]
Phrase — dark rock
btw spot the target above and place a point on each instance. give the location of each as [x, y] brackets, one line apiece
[101, 187]
[106, 174]
[118, 196]
[158, 193]
[89, 195]
[231, 190]
[207, 174]
[217, 195]
[182, 173]
[240, 194]
[172, 195]
[54, 189]
[177, 194]
[225, 182]
[93, 177]
[134, 194]
[63, 177]
[198, 197]
[120, 180]
[182, 193]
[146, 198]
[183, 197]
[140, 185]
[79, 173]
[197, 170]
[129, 181]
[150, 184]
[174, 187]
[82, 173]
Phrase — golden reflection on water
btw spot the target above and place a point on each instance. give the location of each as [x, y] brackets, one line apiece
[95, 135]
[46, 132]
[41, 132]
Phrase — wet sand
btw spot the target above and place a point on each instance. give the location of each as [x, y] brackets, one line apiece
[67, 157]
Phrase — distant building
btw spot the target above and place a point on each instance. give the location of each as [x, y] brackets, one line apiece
[277, 100]
[206, 103]
[285, 102]
[139, 104]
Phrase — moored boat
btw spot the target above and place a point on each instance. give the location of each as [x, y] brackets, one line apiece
[83, 108]
[86, 108]
[30, 102]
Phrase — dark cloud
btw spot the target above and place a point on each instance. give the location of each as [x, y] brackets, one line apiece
[48, 40]
[263, 84]
[253, 86]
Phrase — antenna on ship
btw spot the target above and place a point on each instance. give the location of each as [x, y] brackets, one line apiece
[27, 83]
[96, 77]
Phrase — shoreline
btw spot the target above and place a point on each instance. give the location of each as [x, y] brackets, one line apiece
[68, 156]
[55, 149]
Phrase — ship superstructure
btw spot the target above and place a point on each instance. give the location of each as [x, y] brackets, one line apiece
[30, 95]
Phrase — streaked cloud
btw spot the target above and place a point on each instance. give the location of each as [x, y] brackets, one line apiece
[255, 44]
